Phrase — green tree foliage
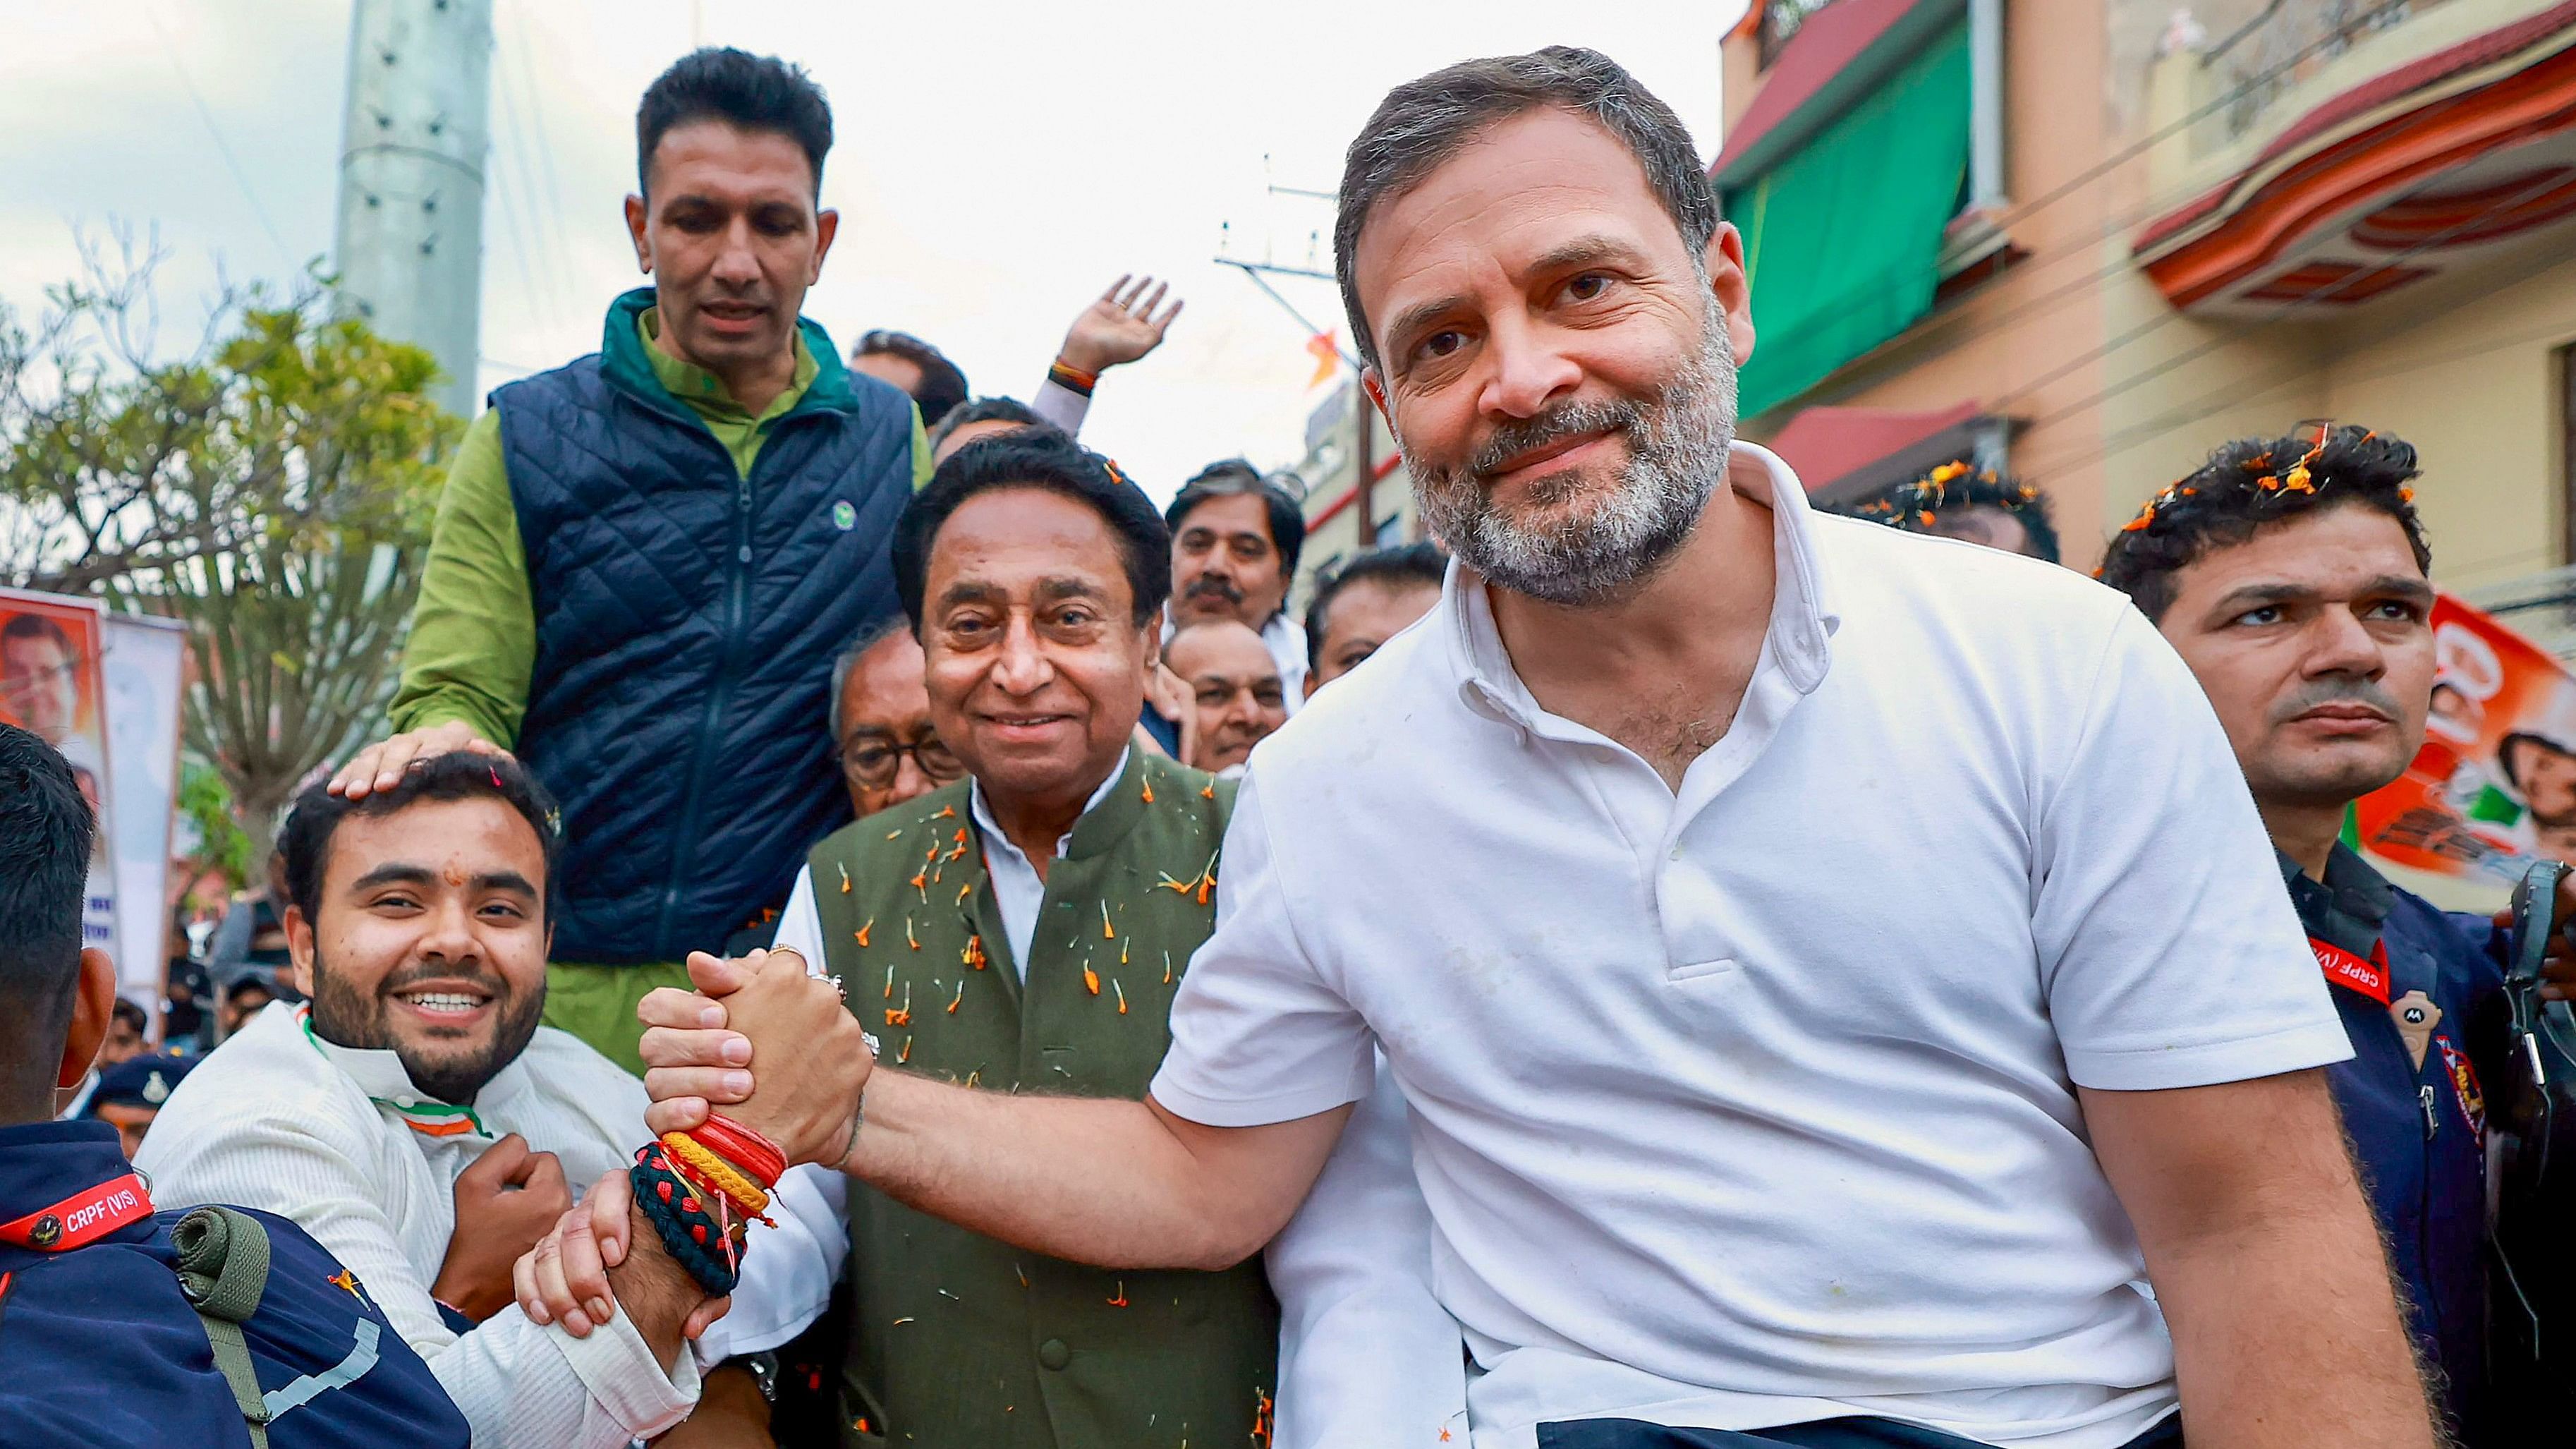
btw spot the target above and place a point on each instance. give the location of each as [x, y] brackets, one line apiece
[273, 488]
[222, 844]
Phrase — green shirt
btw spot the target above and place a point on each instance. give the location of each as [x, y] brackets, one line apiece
[473, 642]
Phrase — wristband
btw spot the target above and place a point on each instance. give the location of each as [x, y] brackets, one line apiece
[680, 1220]
[758, 1158]
[1071, 378]
[712, 1174]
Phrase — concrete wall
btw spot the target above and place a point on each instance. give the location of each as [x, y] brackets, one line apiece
[2472, 379]
[2023, 344]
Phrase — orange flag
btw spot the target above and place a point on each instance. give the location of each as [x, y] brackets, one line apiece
[1328, 357]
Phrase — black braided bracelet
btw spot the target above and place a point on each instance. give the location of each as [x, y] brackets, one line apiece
[679, 1217]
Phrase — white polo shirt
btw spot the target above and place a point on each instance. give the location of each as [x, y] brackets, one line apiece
[1755, 1103]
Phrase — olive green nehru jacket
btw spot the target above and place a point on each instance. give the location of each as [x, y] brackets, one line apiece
[961, 1342]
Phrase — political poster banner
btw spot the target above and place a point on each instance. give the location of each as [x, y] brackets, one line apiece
[144, 666]
[2494, 787]
[50, 683]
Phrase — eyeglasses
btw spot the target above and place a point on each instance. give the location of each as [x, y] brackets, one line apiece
[874, 761]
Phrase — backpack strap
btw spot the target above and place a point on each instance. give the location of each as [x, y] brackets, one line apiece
[223, 1268]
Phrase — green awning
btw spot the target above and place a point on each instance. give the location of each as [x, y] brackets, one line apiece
[1842, 239]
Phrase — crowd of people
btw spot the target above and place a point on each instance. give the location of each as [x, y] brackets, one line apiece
[1665, 965]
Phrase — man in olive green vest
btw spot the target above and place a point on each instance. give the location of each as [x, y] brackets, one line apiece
[1025, 929]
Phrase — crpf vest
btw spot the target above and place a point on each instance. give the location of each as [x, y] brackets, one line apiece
[687, 618]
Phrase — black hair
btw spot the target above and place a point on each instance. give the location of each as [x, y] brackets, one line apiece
[1424, 122]
[1234, 477]
[45, 834]
[746, 91]
[131, 1014]
[943, 383]
[1051, 462]
[37, 626]
[305, 839]
[860, 644]
[1408, 563]
[2252, 482]
[982, 410]
[1955, 487]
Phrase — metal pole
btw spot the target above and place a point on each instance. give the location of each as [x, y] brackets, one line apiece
[408, 246]
[1986, 191]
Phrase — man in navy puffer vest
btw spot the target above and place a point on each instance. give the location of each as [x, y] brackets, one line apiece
[646, 560]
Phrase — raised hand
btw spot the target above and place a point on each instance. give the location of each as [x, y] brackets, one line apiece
[506, 1200]
[380, 766]
[771, 1044]
[1121, 326]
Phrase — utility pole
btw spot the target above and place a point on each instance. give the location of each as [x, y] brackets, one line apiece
[1364, 448]
[409, 240]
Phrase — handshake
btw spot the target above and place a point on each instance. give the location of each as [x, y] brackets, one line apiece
[767, 1042]
[761, 1013]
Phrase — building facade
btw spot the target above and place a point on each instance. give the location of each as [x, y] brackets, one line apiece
[2090, 240]
[1345, 516]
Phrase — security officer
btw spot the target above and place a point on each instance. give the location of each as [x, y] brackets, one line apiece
[130, 1094]
[120, 1324]
[2291, 575]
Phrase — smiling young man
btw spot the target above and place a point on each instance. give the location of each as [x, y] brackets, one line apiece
[2290, 573]
[1759, 1078]
[417, 1120]
[645, 561]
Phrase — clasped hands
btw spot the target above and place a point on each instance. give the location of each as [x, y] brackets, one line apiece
[761, 1038]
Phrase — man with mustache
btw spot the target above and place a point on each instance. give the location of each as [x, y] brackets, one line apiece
[1235, 539]
[2290, 573]
[646, 560]
[1760, 1076]
[420, 1124]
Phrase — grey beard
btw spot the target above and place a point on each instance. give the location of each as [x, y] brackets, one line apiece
[1678, 443]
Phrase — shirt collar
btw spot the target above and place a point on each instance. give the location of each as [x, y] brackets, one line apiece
[704, 392]
[993, 836]
[42, 1163]
[380, 1074]
[1803, 612]
[2348, 908]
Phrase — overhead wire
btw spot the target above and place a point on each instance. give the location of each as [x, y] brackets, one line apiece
[1947, 332]
[223, 147]
[2232, 394]
[538, 302]
[545, 145]
[540, 182]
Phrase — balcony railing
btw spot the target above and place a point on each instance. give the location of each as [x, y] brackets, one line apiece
[2289, 41]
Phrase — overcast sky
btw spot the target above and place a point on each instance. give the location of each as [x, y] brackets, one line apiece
[997, 164]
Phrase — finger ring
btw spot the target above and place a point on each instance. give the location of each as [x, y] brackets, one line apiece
[871, 1039]
[791, 951]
